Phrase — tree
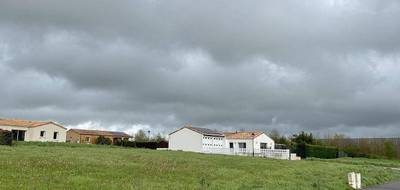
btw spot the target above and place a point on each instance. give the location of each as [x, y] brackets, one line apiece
[303, 137]
[283, 140]
[141, 136]
[103, 140]
[390, 150]
[158, 138]
[274, 134]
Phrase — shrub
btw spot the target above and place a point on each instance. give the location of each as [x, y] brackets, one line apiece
[125, 143]
[390, 150]
[299, 149]
[319, 151]
[5, 137]
[150, 145]
[354, 151]
[103, 140]
[163, 144]
[134, 144]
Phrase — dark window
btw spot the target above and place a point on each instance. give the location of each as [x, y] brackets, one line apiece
[18, 135]
[55, 135]
[242, 145]
[42, 133]
[231, 145]
[263, 145]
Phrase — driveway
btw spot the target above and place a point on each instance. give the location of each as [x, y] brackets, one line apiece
[389, 186]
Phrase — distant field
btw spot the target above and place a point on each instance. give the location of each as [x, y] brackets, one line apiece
[64, 166]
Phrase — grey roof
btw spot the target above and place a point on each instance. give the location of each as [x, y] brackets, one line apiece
[205, 131]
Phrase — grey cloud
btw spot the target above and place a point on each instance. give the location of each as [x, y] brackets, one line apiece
[313, 65]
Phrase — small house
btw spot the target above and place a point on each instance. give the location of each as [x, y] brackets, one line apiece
[197, 139]
[43, 131]
[248, 142]
[85, 136]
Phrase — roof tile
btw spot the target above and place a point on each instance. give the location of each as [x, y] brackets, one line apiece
[243, 135]
[25, 123]
[101, 133]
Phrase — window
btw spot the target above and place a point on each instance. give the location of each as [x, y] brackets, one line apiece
[55, 135]
[263, 145]
[231, 145]
[42, 133]
[18, 135]
[242, 145]
[87, 139]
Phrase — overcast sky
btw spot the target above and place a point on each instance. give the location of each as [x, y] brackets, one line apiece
[328, 66]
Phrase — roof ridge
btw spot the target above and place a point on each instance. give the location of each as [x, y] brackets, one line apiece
[94, 130]
[100, 132]
[26, 123]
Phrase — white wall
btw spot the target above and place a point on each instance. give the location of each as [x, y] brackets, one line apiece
[249, 143]
[212, 143]
[186, 140]
[9, 128]
[33, 134]
[264, 139]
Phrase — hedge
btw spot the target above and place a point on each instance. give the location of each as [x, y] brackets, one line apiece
[5, 137]
[149, 145]
[103, 140]
[317, 151]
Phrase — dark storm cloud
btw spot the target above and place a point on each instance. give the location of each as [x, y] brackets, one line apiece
[324, 66]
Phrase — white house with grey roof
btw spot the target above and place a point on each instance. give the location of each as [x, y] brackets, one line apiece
[195, 139]
[204, 140]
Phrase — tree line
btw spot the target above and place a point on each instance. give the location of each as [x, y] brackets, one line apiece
[346, 147]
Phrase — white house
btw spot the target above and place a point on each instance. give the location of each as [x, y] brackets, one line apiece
[44, 131]
[203, 140]
[248, 142]
[195, 139]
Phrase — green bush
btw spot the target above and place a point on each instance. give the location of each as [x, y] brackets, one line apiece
[319, 151]
[5, 137]
[103, 140]
[355, 152]
[390, 150]
[299, 149]
[135, 144]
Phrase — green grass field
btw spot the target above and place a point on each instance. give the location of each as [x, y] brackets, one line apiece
[64, 166]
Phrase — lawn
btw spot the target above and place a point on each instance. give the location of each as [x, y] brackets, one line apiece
[64, 166]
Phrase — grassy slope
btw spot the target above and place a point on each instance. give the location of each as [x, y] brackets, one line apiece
[30, 166]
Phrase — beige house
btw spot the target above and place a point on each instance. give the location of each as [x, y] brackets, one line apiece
[44, 131]
[84, 136]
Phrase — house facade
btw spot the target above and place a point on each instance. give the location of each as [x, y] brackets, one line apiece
[83, 136]
[196, 139]
[42, 131]
[248, 142]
